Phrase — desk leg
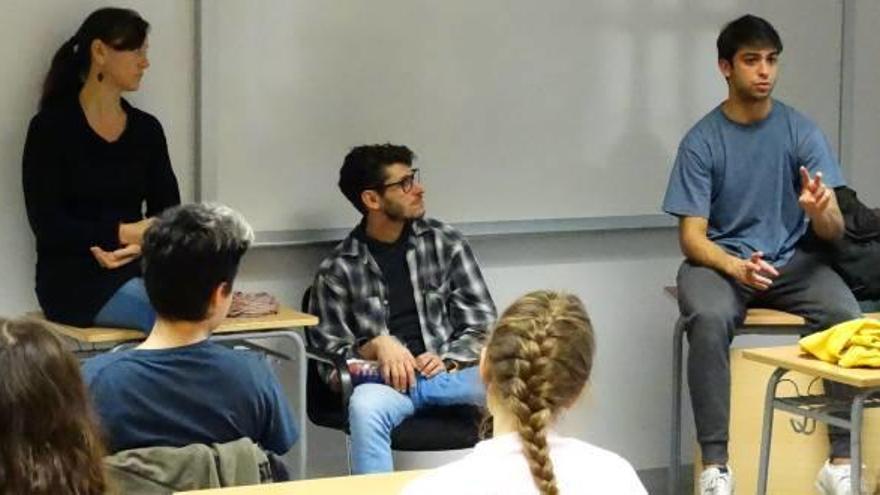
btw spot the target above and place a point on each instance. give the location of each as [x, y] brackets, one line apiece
[675, 438]
[855, 442]
[767, 431]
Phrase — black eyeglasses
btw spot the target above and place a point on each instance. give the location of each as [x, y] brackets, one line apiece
[406, 183]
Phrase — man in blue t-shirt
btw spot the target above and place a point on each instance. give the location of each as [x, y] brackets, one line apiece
[178, 388]
[752, 186]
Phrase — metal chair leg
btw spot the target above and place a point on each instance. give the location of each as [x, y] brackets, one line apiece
[855, 442]
[348, 452]
[675, 424]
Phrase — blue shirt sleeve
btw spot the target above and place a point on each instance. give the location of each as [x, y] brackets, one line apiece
[279, 428]
[103, 385]
[814, 152]
[689, 193]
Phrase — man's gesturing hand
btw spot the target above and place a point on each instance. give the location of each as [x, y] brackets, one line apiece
[754, 272]
[815, 196]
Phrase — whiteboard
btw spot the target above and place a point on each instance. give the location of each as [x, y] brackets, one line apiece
[519, 111]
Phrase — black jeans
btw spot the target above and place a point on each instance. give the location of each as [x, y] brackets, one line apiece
[712, 305]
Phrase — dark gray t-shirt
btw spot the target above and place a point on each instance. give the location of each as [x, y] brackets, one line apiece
[745, 179]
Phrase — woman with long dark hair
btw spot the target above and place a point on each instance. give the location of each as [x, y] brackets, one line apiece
[49, 442]
[92, 162]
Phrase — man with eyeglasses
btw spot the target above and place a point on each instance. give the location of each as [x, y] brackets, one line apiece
[405, 292]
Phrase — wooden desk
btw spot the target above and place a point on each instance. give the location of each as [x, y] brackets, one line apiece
[368, 484]
[814, 406]
[791, 357]
[285, 318]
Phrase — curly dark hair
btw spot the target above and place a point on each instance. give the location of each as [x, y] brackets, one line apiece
[364, 168]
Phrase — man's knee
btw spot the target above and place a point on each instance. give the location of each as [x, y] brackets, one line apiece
[838, 314]
[711, 325]
[375, 403]
[366, 400]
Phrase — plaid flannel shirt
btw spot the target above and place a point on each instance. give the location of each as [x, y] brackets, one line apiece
[455, 310]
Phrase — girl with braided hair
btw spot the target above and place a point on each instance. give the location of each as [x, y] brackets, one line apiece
[535, 366]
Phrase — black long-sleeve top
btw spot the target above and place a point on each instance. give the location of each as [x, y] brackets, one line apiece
[78, 188]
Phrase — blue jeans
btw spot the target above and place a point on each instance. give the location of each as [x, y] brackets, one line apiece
[128, 307]
[376, 409]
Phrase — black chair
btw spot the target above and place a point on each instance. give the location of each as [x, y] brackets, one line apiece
[434, 429]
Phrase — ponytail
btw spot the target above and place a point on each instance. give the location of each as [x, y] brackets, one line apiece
[66, 74]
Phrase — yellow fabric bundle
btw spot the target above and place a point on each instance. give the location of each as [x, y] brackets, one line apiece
[849, 344]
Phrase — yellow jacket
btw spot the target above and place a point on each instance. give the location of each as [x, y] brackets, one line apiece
[849, 344]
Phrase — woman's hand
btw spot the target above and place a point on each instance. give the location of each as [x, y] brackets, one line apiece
[115, 259]
[133, 233]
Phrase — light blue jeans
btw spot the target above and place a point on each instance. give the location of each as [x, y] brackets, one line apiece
[128, 307]
[376, 409]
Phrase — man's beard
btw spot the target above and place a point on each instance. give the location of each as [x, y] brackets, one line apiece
[396, 212]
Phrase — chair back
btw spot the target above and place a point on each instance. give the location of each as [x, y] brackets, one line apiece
[436, 428]
[323, 405]
[192, 467]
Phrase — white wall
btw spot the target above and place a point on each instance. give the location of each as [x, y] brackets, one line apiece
[863, 153]
[619, 274]
[32, 30]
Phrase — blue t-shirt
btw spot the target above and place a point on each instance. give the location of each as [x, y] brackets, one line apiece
[201, 393]
[745, 179]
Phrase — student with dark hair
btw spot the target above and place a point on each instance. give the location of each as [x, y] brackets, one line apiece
[49, 441]
[404, 291]
[91, 162]
[536, 365]
[177, 387]
[747, 31]
[752, 186]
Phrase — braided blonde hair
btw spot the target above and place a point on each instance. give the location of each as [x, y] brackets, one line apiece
[537, 362]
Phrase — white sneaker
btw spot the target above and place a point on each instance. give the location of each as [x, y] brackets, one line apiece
[834, 479]
[716, 481]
